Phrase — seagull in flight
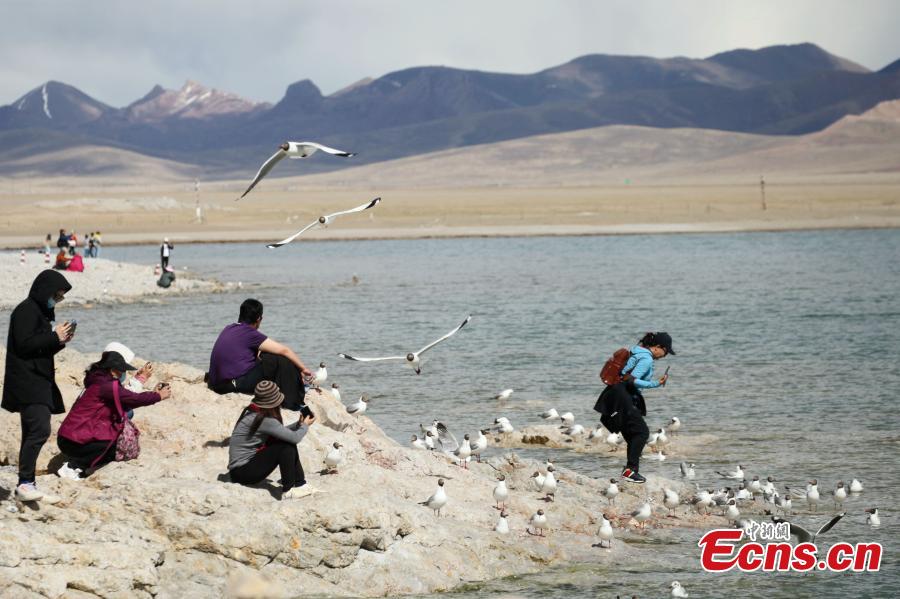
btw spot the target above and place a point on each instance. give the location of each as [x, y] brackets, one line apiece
[322, 221]
[805, 536]
[295, 150]
[412, 358]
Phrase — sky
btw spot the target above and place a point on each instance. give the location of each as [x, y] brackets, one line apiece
[116, 51]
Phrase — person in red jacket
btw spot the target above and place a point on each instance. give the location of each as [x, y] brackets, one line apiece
[88, 434]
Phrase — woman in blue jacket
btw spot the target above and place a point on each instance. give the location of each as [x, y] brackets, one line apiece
[626, 397]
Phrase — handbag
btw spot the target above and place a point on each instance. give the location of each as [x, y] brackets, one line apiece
[128, 445]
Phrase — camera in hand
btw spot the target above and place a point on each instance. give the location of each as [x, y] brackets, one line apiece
[305, 412]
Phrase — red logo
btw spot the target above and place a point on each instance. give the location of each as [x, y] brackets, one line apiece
[720, 552]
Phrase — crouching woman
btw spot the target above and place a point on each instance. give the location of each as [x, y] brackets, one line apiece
[261, 442]
[92, 427]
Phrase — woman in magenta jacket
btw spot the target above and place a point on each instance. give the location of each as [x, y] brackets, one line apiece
[89, 432]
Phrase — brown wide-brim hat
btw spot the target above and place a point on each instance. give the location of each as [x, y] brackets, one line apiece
[267, 395]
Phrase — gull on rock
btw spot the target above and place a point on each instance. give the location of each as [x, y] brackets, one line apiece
[737, 474]
[567, 419]
[606, 531]
[643, 513]
[413, 359]
[323, 222]
[295, 150]
[538, 479]
[671, 501]
[480, 443]
[538, 523]
[503, 425]
[840, 495]
[463, 452]
[503, 523]
[548, 488]
[360, 406]
[336, 391]
[333, 458]
[550, 414]
[320, 375]
[732, 512]
[501, 493]
[417, 443]
[438, 500]
[611, 491]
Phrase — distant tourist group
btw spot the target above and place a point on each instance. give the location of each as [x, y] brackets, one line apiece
[99, 427]
[68, 257]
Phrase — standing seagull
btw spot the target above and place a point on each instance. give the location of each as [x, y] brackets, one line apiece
[538, 479]
[438, 500]
[463, 452]
[480, 444]
[504, 395]
[671, 501]
[840, 494]
[336, 391]
[322, 221]
[606, 531]
[411, 358]
[611, 491]
[643, 513]
[502, 524]
[812, 494]
[320, 376]
[538, 522]
[549, 486]
[501, 493]
[674, 425]
[333, 458]
[568, 419]
[295, 150]
[418, 443]
[503, 424]
[360, 406]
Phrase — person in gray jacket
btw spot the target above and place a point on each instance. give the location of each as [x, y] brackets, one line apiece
[260, 442]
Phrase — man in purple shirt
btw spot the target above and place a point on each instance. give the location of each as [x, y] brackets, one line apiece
[242, 357]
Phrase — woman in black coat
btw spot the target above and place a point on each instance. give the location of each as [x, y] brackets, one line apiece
[29, 386]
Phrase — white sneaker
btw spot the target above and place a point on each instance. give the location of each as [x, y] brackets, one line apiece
[299, 492]
[28, 492]
[69, 473]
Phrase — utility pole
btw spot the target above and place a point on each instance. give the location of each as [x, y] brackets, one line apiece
[762, 192]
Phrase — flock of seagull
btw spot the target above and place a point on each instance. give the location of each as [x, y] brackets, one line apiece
[438, 438]
[297, 150]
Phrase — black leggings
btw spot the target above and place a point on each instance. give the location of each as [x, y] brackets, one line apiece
[83, 455]
[35, 420]
[623, 400]
[282, 372]
[636, 433]
[276, 454]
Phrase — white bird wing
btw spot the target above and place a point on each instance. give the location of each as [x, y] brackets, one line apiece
[446, 438]
[287, 240]
[326, 149]
[366, 206]
[355, 359]
[267, 166]
[447, 336]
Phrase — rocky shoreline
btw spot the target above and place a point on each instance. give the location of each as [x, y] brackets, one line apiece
[170, 525]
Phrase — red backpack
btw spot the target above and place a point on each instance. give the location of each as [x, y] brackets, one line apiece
[611, 373]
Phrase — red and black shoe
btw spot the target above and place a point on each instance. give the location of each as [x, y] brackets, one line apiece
[633, 476]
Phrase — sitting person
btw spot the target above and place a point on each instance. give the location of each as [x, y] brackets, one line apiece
[260, 442]
[89, 433]
[76, 264]
[242, 357]
[62, 261]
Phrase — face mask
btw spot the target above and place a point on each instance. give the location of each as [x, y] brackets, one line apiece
[122, 378]
[51, 303]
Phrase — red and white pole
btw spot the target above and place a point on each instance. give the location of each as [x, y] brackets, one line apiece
[46, 257]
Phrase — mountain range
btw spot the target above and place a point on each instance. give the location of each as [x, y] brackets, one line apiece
[780, 90]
